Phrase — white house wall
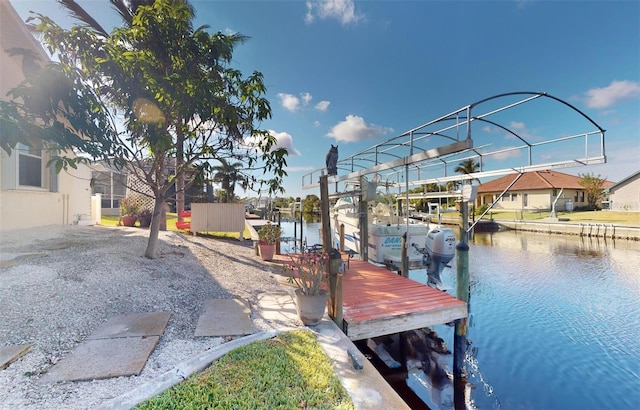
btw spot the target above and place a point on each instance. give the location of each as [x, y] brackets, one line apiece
[626, 197]
[76, 184]
[24, 207]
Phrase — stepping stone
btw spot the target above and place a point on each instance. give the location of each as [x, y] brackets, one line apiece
[9, 354]
[120, 347]
[224, 317]
[135, 324]
[103, 358]
[277, 307]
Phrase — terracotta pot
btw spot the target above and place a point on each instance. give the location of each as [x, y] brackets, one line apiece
[311, 307]
[267, 251]
[129, 220]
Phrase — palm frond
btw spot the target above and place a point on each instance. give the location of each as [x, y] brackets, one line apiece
[77, 12]
[123, 9]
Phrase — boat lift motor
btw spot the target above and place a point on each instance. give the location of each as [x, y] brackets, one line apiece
[440, 248]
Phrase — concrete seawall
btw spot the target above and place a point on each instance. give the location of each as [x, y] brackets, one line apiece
[584, 229]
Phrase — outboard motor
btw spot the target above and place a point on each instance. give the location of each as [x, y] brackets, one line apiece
[440, 248]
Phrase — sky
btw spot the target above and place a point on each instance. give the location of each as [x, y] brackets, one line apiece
[357, 73]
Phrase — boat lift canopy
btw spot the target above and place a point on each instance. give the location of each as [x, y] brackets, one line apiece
[509, 133]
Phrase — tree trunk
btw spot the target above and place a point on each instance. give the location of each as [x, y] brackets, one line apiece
[180, 172]
[152, 243]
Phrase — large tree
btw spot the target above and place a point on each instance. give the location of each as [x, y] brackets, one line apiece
[594, 188]
[127, 10]
[134, 94]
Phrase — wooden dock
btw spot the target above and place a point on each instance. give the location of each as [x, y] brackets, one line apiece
[377, 302]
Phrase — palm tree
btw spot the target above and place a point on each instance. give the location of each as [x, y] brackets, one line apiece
[468, 166]
[228, 175]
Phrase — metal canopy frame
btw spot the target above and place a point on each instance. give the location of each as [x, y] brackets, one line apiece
[491, 132]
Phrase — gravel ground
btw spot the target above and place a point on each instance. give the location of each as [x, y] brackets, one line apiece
[59, 283]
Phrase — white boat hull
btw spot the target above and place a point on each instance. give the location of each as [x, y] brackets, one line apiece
[384, 240]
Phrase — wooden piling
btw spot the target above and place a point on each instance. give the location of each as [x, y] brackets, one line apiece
[462, 293]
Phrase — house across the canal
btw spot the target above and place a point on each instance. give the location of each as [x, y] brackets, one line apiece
[536, 190]
[625, 194]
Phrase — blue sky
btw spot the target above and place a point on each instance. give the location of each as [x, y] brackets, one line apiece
[355, 73]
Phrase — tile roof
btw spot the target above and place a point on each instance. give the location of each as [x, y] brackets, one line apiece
[535, 180]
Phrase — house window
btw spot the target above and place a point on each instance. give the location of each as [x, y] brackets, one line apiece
[29, 166]
[525, 199]
[555, 192]
[514, 197]
[581, 196]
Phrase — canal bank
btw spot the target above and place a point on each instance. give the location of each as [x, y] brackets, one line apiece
[561, 226]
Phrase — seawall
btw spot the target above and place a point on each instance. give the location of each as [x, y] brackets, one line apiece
[584, 229]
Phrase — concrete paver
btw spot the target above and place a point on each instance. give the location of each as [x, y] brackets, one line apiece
[224, 317]
[120, 347]
[9, 354]
[134, 324]
[103, 358]
[277, 307]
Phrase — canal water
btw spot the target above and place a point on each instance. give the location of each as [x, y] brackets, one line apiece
[554, 322]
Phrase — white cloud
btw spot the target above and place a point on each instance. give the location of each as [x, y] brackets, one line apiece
[342, 10]
[509, 152]
[293, 103]
[289, 101]
[284, 140]
[517, 125]
[354, 129]
[316, 123]
[614, 93]
[322, 105]
[306, 98]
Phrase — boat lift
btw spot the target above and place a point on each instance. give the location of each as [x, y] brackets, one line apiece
[510, 133]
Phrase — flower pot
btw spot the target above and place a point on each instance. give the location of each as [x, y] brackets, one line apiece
[129, 220]
[311, 307]
[267, 251]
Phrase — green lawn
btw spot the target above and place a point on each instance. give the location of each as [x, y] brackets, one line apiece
[290, 371]
[108, 220]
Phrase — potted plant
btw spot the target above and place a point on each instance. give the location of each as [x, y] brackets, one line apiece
[128, 212]
[145, 218]
[269, 235]
[308, 272]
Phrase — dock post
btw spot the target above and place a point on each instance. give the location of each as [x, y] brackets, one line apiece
[363, 221]
[341, 238]
[405, 258]
[301, 235]
[462, 293]
[334, 255]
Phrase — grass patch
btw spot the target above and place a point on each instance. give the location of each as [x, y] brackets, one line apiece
[112, 220]
[290, 371]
